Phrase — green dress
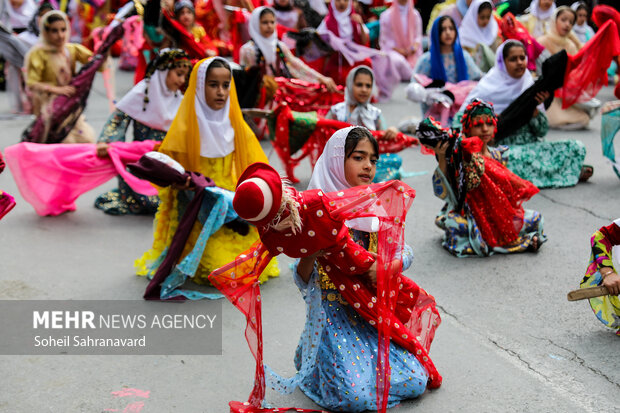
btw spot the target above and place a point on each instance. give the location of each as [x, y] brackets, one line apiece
[547, 164]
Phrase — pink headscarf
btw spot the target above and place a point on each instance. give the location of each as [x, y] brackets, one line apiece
[410, 36]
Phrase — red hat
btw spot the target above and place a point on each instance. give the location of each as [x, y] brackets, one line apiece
[259, 193]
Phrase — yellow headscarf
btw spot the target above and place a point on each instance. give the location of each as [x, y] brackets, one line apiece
[182, 141]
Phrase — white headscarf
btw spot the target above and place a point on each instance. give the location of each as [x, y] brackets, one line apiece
[580, 30]
[497, 86]
[328, 175]
[162, 105]
[470, 33]
[318, 6]
[217, 136]
[345, 27]
[43, 21]
[361, 115]
[267, 45]
[21, 16]
[536, 12]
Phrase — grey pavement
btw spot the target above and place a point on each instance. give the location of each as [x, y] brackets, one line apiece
[509, 340]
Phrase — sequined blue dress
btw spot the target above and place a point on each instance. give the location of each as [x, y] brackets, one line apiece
[336, 355]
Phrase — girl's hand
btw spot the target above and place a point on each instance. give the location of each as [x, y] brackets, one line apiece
[102, 149]
[329, 84]
[63, 90]
[306, 265]
[401, 51]
[390, 133]
[371, 275]
[542, 96]
[441, 149]
[357, 18]
[611, 280]
[185, 187]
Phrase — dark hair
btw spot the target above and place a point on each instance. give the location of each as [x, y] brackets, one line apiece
[265, 11]
[444, 18]
[354, 137]
[44, 8]
[568, 10]
[218, 63]
[53, 19]
[485, 6]
[509, 45]
[583, 6]
[363, 71]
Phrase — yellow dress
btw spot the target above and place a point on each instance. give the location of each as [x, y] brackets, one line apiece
[222, 247]
[182, 143]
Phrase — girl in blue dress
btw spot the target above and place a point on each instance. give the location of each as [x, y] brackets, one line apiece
[336, 355]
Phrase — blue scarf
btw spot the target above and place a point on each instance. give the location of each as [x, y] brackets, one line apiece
[438, 71]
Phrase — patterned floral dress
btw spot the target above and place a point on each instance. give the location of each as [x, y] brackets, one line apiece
[340, 375]
[462, 236]
[124, 200]
[606, 308]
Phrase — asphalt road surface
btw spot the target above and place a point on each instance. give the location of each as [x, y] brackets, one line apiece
[509, 340]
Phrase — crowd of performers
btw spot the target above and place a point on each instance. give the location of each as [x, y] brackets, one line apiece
[213, 77]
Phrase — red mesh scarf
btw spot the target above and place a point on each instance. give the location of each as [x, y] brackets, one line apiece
[586, 72]
[602, 13]
[186, 40]
[324, 129]
[399, 309]
[494, 195]
[305, 96]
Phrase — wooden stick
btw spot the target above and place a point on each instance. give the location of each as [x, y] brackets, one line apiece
[257, 113]
[590, 292]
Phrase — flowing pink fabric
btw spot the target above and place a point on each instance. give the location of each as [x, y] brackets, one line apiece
[132, 43]
[413, 30]
[51, 177]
